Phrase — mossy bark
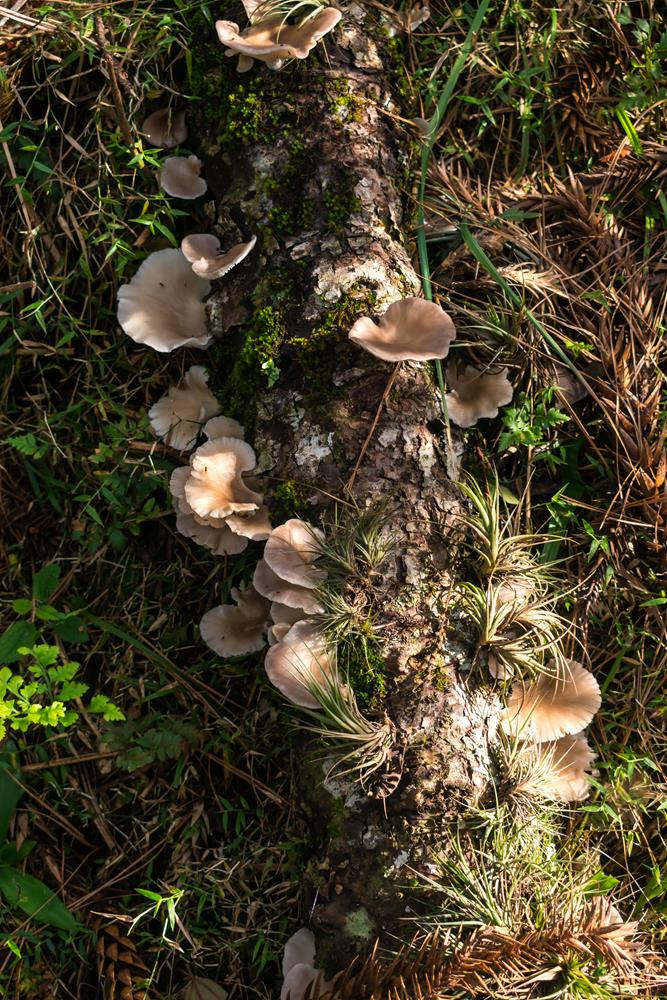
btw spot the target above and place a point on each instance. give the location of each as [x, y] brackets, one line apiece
[322, 191]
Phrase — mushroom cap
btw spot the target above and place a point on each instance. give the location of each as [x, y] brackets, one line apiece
[476, 395]
[299, 950]
[272, 39]
[290, 551]
[559, 770]
[218, 538]
[298, 980]
[220, 427]
[215, 486]
[553, 706]
[299, 657]
[163, 304]
[283, 614]
[165, 128]
[410, 330]
[255, 526]
[270, 585]
[203, 252]
[276, 633]
[236, 629]
[177, 417]
[180, 177]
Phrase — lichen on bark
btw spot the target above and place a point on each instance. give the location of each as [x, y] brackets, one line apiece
[322, 191]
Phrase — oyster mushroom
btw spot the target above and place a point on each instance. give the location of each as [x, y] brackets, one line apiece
[203, 252]
[215, 486]
[255, 526]
[290, 551]
[180, 177]
[553, 706]
[165, 128]
[298, 660]
[236, 629]
[219, 427]
[299, 972]
[214, 533]
[476, 395]
[558, 771]
[163, 304]
[410, 330]
[272, 40]
[270, 585]
[177, 417]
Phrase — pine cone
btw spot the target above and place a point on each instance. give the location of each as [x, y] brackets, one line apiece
[120, 966]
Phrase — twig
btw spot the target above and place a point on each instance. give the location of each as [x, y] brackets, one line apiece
[113, 82]
[364, 447]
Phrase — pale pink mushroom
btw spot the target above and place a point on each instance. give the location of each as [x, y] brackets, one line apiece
[180, 177]
[203, 252]
[214, 533]
[215, 486]
[272, 40]
[177, 417]
[282, 613]
[255, 526]
[165, 128]
[553, 706]
[298, 661]
[558, 770]
[476, 395]
[236, 629]
[299, 972]
[270, 585]
[163, 304]
[277, 632]
[290, 551]
[220, 427]
[410, 330]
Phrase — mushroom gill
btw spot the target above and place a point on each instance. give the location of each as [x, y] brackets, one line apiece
[273, 587]
[236, 629]
[203, 252]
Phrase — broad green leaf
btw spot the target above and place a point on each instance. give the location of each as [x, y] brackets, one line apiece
[45, 582]
[17, 636]
[35, 899]
[22, 605]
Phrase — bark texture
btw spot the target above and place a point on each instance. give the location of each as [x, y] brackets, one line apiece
[343, 257]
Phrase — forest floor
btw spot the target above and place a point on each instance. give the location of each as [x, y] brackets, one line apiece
[164, 810]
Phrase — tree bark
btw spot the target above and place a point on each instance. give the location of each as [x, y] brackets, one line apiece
[343, 257]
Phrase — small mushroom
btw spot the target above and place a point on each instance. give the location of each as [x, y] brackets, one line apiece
[553, 706]
[270, 585]
[290, 551]
[300, 977]
[219, 427]
[236, 629]
[558, 770]
[163, 304]
[476, 395]
[255, 526]
[220, 539]
[180, 177]
[410, 330]
[272, 40]
[300, 658]
[203, 252]
[215, 486]
[178, 416]
[166, 129]
[277, 632]
[283, 614]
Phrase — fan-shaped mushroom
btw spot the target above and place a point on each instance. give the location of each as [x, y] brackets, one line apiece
[553, 706]
[298, 660]
[221, 427]
[557, 770]
[236, 629]
[272, 40]
[410, 330]
[215, 486]
[282, 613]
[291, 550]
[255, 526]
[165, 128]
[214, 533]
[203, 252]
[180, 177]
[177, 417]
[476, 395]
[299, 972]
[270, 585]
[163, 304]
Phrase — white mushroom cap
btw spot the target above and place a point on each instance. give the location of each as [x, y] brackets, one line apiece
[215, 487]
[203, 252]
[299, 981]
[301, 656]
[254, 526]
[223, 427]
[178, 416]
[180, 177]
[476, 395]
[410, 330]
[220, 539]
[553, 707]
[291, 550]
[270, 585]
[163, 304]
[233, 630]
[272, 40]
[276, 633]
[558, 770]
[165, 129]
[299, 950]
[283, 614]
